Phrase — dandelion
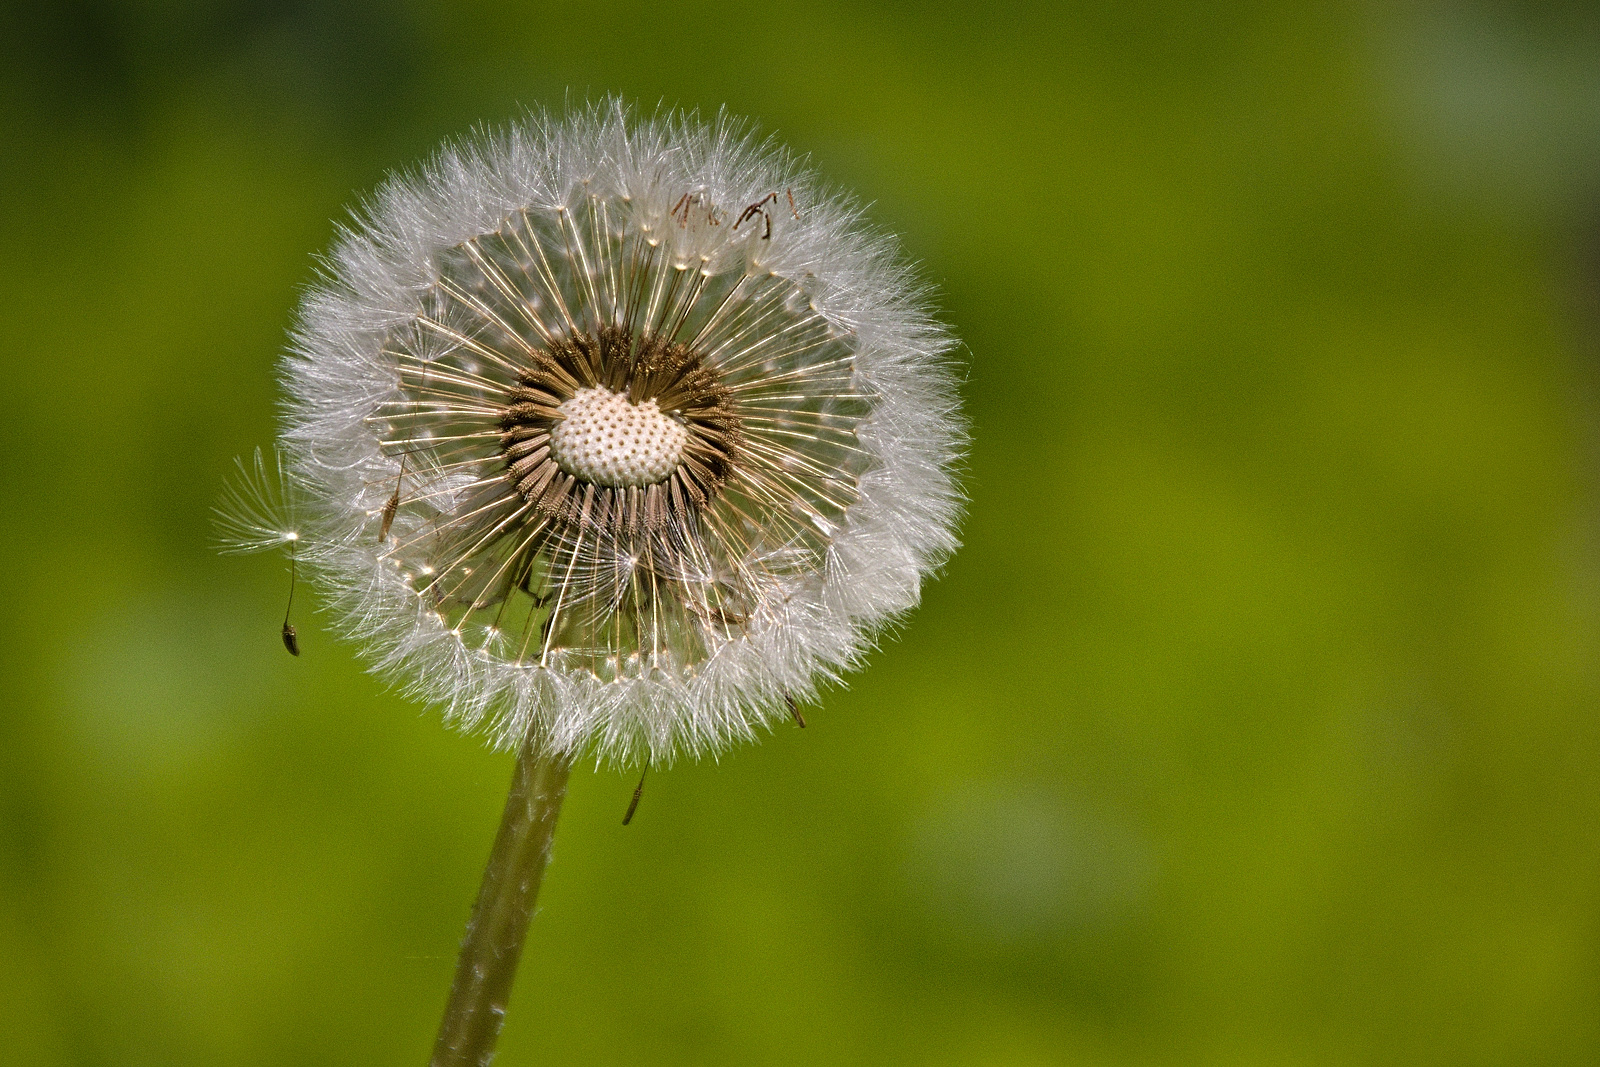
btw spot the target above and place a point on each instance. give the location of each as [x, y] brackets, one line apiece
[613, 437]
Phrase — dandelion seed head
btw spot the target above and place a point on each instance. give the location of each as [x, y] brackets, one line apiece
[617, 430]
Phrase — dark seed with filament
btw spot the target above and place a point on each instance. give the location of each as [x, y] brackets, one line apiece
[393, 505]
[291, 639]
[638, 791]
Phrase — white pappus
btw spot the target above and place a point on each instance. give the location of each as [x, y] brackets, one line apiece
[615, 432]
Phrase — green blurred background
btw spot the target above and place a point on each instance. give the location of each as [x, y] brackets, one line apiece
[1256, 723]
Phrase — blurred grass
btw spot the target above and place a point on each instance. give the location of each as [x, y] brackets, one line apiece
[1255, 723]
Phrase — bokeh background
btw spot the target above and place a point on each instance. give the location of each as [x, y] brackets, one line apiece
[1257, 723]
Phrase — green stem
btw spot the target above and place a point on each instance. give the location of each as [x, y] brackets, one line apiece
[488, 962]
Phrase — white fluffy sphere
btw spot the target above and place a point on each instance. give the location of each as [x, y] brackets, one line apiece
[618, 433]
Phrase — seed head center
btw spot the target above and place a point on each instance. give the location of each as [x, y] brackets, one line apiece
[604, 439]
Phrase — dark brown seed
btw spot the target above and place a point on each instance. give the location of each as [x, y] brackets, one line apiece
[393, 505]
[638, 791]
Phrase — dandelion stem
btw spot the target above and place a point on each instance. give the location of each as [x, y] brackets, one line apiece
[489, 953]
